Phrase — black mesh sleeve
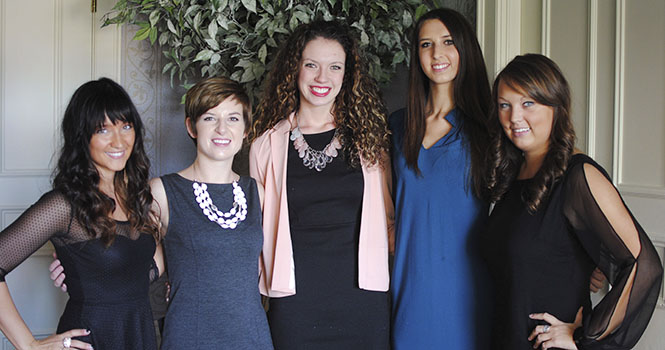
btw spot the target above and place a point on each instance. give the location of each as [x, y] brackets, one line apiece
[50, 216]
[612, 256]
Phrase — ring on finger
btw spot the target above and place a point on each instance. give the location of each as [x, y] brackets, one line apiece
[67, 342]
[546, 328]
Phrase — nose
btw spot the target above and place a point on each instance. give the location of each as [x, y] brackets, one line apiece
[515, 115]
[116, 139]
[221, 126]
[321, 75]
[438, 51]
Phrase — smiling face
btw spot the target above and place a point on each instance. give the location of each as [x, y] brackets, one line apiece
[439, 58]
[321, 72]
[219, 132]
[527, 123]
[111, 146]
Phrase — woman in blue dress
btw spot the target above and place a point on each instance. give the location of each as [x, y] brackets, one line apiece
[439, 143]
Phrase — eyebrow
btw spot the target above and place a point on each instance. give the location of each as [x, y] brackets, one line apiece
[443, 36]
[315, 61]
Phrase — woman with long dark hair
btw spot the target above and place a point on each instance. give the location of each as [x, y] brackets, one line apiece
[98, 216]
[557, 216]
[319, 148]
[439, 143]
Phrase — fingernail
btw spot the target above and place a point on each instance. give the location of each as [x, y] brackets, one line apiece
[87, 331]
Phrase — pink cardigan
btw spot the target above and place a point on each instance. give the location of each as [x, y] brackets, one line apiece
[267, 164]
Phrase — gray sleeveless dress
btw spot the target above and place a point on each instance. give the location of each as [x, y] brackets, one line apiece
[215, 300]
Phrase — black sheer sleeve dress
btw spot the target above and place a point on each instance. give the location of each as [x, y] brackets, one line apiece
[107, 286]
[542, 262]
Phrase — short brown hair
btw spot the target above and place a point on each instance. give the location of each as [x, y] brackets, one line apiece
[210, 92]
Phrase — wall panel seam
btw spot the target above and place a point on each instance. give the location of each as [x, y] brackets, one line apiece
[546, 27]
[617, 142]
[592, 78]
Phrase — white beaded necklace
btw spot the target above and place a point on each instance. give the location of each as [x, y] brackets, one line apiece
[231, 219]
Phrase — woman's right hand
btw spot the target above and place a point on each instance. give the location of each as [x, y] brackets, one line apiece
[62, 341]
[57, 273]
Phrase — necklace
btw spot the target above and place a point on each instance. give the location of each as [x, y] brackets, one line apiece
[312, 158]
[231, 219]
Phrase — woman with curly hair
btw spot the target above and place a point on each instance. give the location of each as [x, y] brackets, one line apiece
[98, 216]
[319, 148]
[557, 216]
[439, 142]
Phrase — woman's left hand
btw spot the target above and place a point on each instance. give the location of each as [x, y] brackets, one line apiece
[555, 335]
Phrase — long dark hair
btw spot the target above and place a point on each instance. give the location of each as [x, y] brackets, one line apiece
[471, 94]
[359, 112]
[541, 79]
[76, 175]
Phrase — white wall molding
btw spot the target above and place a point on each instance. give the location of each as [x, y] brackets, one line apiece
[546, 27]
[619, 72]
[592, 94]
[3, 40]
[507, 32]
[642, 191]
[480, 23]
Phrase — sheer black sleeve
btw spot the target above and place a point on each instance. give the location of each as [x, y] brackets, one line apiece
[611, 254]
[50, 216]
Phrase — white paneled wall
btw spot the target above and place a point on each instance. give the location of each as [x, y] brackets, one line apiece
[47, 49]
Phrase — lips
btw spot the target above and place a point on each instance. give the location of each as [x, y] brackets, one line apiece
[520, 131]
[440, 66]
[115, 155]
[320, 91]
[221, 142]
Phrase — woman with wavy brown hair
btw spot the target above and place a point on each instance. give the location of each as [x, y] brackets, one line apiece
[98, 216]
[319, 148]
[558, 216]
[439, 142]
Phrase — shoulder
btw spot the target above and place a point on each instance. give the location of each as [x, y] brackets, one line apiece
[55, 200]
[581, 166]
[396, 119]
[251, 183]
[263, 141]
[157, 189]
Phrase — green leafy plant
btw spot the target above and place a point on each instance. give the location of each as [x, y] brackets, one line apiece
[237, 38]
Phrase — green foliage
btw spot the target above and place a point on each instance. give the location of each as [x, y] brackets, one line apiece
[238, 38]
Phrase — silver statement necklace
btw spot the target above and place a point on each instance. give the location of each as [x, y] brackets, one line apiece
[229, 219]
[312, 158]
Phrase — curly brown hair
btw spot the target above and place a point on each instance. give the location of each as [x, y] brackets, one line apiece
[541, 79]
[76, 176]
[359, 112]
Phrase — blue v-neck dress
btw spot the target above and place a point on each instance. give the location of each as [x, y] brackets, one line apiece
[439, 284]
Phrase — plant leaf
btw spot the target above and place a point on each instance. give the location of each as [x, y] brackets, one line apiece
[247, 76]
[215, 58]
[142, 33]
[250, 5]
[153, 35]
[171, 27]
[154, 17]
[263, 52]
[203, 55]
[421, 10]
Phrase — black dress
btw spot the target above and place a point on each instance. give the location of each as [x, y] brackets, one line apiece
[329, 310]
[543, 262]
[108, 287]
